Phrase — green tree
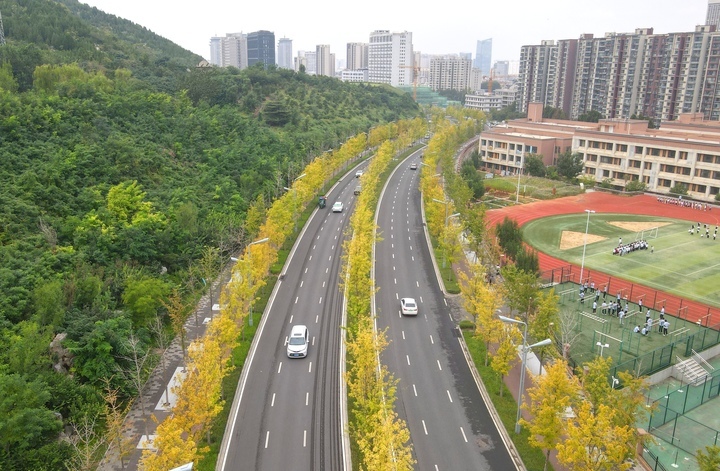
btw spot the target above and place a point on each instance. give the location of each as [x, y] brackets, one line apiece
[25, 422]
[509, 237]
[679, 189]
[143, 296]
[534, 165]
[635, 185]
[527, 260]
[521, 290]
[569, 165]
[553, 113]
[545, 321]
[591, 116]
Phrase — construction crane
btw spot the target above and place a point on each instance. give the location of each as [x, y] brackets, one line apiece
[416, 72]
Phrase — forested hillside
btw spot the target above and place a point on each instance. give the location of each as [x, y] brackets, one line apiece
[121, 166]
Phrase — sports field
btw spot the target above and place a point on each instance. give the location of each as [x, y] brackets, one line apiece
[679, 263]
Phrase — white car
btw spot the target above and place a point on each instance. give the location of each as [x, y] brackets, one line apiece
[358, 174]
[408, 307]
[413, 166]
[297, 346]
[337, 207]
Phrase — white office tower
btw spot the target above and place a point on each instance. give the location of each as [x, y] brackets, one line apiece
[324, 61]
[311, 62]
[230, 50]
[284, 53]
[390, 58]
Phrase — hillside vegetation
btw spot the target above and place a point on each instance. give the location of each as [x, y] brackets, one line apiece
[127, 173]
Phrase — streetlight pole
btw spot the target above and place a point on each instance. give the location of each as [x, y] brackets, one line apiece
[602, 346]
[587, 226]
[525, 347]
[250, 280]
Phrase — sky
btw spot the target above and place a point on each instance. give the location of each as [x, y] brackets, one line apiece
[450, 27]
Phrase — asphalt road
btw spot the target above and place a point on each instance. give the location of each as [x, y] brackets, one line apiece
[449, 423]
[286, 413]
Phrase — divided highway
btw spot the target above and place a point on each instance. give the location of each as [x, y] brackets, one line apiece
[449, 423]
[286, 413]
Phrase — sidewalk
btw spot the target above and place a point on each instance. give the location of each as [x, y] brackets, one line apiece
[139, 430]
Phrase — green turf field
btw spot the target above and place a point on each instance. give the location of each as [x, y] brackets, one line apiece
[683, 264]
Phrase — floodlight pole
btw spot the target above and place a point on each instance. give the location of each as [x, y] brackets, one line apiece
[587, 226]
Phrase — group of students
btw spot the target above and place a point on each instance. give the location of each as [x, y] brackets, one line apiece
[631, 247]
[662, 323]
[685, 203]
[693, 230]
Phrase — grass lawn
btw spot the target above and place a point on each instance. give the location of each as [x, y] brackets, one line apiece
[683, 264]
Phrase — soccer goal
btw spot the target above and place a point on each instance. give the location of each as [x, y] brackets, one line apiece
[646, 234]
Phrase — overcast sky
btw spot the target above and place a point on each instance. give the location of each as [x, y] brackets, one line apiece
[450, 27]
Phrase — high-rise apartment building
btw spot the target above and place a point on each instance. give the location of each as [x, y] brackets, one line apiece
[311, 62]
[357, 56]
[713, 13]
[284, 53]
[324, 60]
[449, 72]
[483, 56]
[534, 73]
[261, 48]
[622, 75]
[229, 51]
[390, 58]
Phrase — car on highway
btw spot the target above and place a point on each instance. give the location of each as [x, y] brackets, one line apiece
[358, 189]
[413, 166]
[337, 207]
[408, 307]
[297, 346]
[358, 174]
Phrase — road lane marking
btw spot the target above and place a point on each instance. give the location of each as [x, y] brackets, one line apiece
[463, 434]
[304, 438]
[291, 318]
[272, 403]
[333, 248]
[279, 367]
[310, 368]
[412, 258]
[307, 398]
[417, 283]
[306, 270]
[309, 258]
[320, 301]
[327, 269]
[317, 317]
[445, 300]
[393, 255]
[411, 250]
[323, 284]
[330, 258]
[432, 341]
[439, 365]
[425, 427]
[267, 438]
[393, 267]
[408, 359]
[301, 284]
[313, 247]
[449, 396]
[395, 280]
[403, 334]
[396, 296]
[296, 299]
[421, 300]
[415, 390]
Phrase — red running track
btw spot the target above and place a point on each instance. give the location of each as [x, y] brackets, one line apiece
[601, 202]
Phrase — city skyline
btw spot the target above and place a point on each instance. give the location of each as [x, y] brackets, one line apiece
[308, 25]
